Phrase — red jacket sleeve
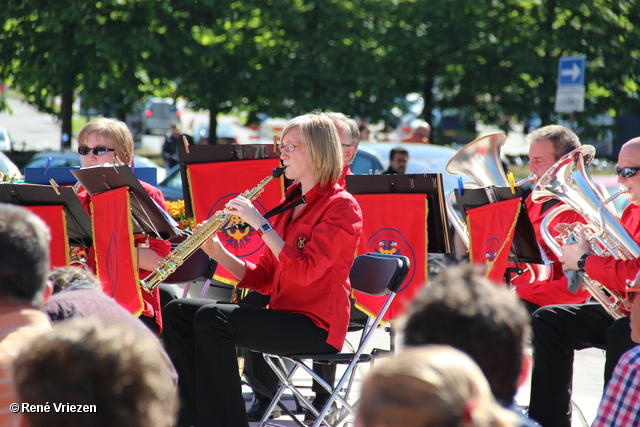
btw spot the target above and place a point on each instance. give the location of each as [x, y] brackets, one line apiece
[611, 272]
[554, 290]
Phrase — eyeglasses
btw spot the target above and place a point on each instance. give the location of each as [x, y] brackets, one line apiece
[631, 289]
[289, 148]
[97, 151]
[627, 172]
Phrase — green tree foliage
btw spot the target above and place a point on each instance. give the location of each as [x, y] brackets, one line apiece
[492, 58]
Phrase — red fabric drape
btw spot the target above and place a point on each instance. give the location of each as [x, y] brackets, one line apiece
[211, 185]
[56, 219]
[116, 264]
[490, 235]
[387, 231]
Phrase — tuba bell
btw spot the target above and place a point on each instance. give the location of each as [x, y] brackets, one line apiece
[569, 181]
[480, 161]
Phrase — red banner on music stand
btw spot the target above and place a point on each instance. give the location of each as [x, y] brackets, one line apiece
[385, 231]
[211, 185]
[491, 230]
[116, 264]
[55, 217]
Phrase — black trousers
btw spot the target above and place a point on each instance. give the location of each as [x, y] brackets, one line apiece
[559, 330]
[201, 337]
[256, 367]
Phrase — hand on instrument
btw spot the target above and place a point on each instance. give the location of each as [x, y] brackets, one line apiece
[244, 208]
[571, 253]
[212, 247]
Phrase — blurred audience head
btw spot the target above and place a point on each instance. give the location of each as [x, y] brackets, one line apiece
[429, 386]
[84, 361]
[465, 310]
[24, 256]
[62, 277]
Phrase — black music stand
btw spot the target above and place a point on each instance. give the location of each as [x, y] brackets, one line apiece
[218, 153]
[524, 246]
[78, 221]
[429, 184]
[148, 218]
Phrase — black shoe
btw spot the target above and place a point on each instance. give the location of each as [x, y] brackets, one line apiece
[258, 407]
[319, 403]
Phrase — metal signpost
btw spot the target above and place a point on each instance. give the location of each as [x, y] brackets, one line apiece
[570, 91]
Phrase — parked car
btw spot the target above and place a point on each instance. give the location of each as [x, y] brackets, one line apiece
[5, 139]
[225, 135]
[371, 158]
[423, 158]
[154, 116]
[72, 158]
[8, 168]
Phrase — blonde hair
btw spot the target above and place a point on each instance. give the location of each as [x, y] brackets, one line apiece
[429, 386]
[85, 361]
[322, 144]
[115, 131]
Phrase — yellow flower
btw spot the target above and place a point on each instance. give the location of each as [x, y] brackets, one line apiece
[178, 212]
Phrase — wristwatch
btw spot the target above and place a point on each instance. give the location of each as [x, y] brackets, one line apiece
[264, 229]
[581, 261]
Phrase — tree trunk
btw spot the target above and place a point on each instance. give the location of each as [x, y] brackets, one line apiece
[213, 124]
[66, 115]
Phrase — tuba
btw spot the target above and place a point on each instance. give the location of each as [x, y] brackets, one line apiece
[184, 250]
[569, 181]
[480, 161]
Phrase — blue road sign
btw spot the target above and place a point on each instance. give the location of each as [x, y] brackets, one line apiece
[571, 71]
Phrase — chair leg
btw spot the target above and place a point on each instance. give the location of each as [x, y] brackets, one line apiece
[287, 382]
[185, 291]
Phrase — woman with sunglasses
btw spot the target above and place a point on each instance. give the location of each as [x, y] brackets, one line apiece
[107, 141]
[560, 330]
[305, 269]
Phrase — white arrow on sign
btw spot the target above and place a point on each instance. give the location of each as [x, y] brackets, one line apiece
[574, 72]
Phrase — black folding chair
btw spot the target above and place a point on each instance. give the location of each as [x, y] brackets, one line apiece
[374, 274]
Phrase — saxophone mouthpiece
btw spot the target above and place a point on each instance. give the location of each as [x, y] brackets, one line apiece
[277, 172]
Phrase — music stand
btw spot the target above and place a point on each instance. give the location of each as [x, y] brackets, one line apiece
[214, 154]
[524, 248]
[78, 221]
[429, 184]
[148, 218]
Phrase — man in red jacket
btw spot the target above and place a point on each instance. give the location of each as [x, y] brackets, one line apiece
[548, 144]
[560, 330]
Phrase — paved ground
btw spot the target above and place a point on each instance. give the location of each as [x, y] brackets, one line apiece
[588, 374]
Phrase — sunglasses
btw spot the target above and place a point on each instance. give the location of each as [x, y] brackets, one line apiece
[97, 151]
[631, 292]
[289, 148]
[627, 172]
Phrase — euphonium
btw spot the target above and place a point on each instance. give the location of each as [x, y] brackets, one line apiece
[569, 181]
[480, 161]
[185, 249]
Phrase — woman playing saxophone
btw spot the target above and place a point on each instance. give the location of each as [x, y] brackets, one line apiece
[305, 269]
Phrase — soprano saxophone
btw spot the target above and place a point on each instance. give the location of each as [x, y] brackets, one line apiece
[184, 250]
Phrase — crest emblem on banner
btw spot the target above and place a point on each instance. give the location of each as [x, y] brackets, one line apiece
[392, 241]
[243, 241]
[112, 266]
[491, 249]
